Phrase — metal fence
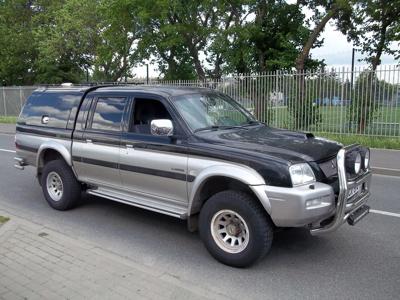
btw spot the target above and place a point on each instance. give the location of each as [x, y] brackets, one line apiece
[13, 98]
[338, 101]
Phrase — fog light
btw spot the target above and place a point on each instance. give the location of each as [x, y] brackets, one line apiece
[313, 202]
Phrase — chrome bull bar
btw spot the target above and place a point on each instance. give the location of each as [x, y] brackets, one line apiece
[345, 208]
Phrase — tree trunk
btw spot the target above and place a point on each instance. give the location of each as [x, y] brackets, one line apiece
[376, 60]
[300, 61]
[121, 71]
[300, 107]
[195, 55]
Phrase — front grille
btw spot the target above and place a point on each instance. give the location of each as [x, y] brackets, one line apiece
[329, 168]
[330, 171]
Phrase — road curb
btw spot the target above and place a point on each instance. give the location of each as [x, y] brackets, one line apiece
[386, 171]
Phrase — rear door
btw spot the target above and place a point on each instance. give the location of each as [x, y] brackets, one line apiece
[96, 148]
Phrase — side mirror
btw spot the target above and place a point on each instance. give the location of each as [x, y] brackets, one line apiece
[162, 127]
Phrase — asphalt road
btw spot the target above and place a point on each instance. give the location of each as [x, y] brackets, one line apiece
[360, 262]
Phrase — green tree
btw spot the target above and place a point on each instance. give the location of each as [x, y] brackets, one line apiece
[374, 26]
[302, 109]
[163, 45]
[66, 35]
[368, 96]
[269, 41]
[120, 27]
[323, 12]
[18, 49]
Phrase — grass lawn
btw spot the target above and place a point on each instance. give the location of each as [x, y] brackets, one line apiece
[3, 219]
[8, 120]
[334, 120]
[369, 141]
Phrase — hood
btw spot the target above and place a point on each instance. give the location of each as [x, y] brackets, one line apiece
[288, 145]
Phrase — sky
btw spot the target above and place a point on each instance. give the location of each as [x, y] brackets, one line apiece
[336, 51]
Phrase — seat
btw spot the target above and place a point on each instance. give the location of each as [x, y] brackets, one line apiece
[147, 111]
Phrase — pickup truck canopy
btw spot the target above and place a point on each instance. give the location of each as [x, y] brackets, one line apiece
[53, 107]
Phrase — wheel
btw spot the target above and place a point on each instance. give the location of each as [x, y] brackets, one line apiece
[60, 187]
[235, 228]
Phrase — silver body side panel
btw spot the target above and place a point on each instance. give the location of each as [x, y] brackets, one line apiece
[61, 146]
[31, 141]
[41, 143]
[205, 168]
[160, 187]
[95, 173]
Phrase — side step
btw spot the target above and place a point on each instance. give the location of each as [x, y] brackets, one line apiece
[166, 209]
[356, 216]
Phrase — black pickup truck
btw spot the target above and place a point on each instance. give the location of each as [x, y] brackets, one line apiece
[193, 154]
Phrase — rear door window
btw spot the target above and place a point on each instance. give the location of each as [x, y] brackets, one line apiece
[108, 113]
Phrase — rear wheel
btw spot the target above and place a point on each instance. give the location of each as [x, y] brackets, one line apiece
[60, 187]
[235, 228]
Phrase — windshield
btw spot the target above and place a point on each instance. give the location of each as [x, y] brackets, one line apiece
[202, 111]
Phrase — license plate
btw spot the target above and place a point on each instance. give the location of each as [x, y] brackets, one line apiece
[354, 191]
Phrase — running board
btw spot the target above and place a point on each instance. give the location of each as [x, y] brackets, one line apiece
[177, 212]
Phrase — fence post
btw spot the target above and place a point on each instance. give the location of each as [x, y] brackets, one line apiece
[341, 102]
[4, 101]
[20, 98]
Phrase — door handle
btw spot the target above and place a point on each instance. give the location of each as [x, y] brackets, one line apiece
[89, 141]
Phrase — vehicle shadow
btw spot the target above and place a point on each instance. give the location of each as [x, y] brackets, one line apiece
[154, 230]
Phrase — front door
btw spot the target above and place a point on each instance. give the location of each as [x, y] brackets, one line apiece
[155, 167]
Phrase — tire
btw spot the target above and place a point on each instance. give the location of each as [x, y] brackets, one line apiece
[251, 227]
[60, 187]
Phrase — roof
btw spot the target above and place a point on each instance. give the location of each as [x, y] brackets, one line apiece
[156, 89]
[75, 89]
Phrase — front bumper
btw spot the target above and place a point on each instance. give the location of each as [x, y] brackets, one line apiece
[346, 206]
[289, 207]
[315, 205]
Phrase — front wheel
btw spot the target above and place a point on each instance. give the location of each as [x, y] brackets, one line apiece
[235, 228]
[60, 187]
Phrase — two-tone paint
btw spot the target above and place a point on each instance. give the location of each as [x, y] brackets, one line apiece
[167, 174]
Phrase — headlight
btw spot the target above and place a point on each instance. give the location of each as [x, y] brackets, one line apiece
[366, 158]
[301, 174]
[353, 162]
[357, 163]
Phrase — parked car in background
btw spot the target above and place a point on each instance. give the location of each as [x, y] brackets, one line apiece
[334, 101]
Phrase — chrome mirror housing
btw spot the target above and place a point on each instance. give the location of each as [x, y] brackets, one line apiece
[162, 127]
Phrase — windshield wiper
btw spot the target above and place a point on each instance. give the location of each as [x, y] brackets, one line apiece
[252, 122]
[216, 127]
